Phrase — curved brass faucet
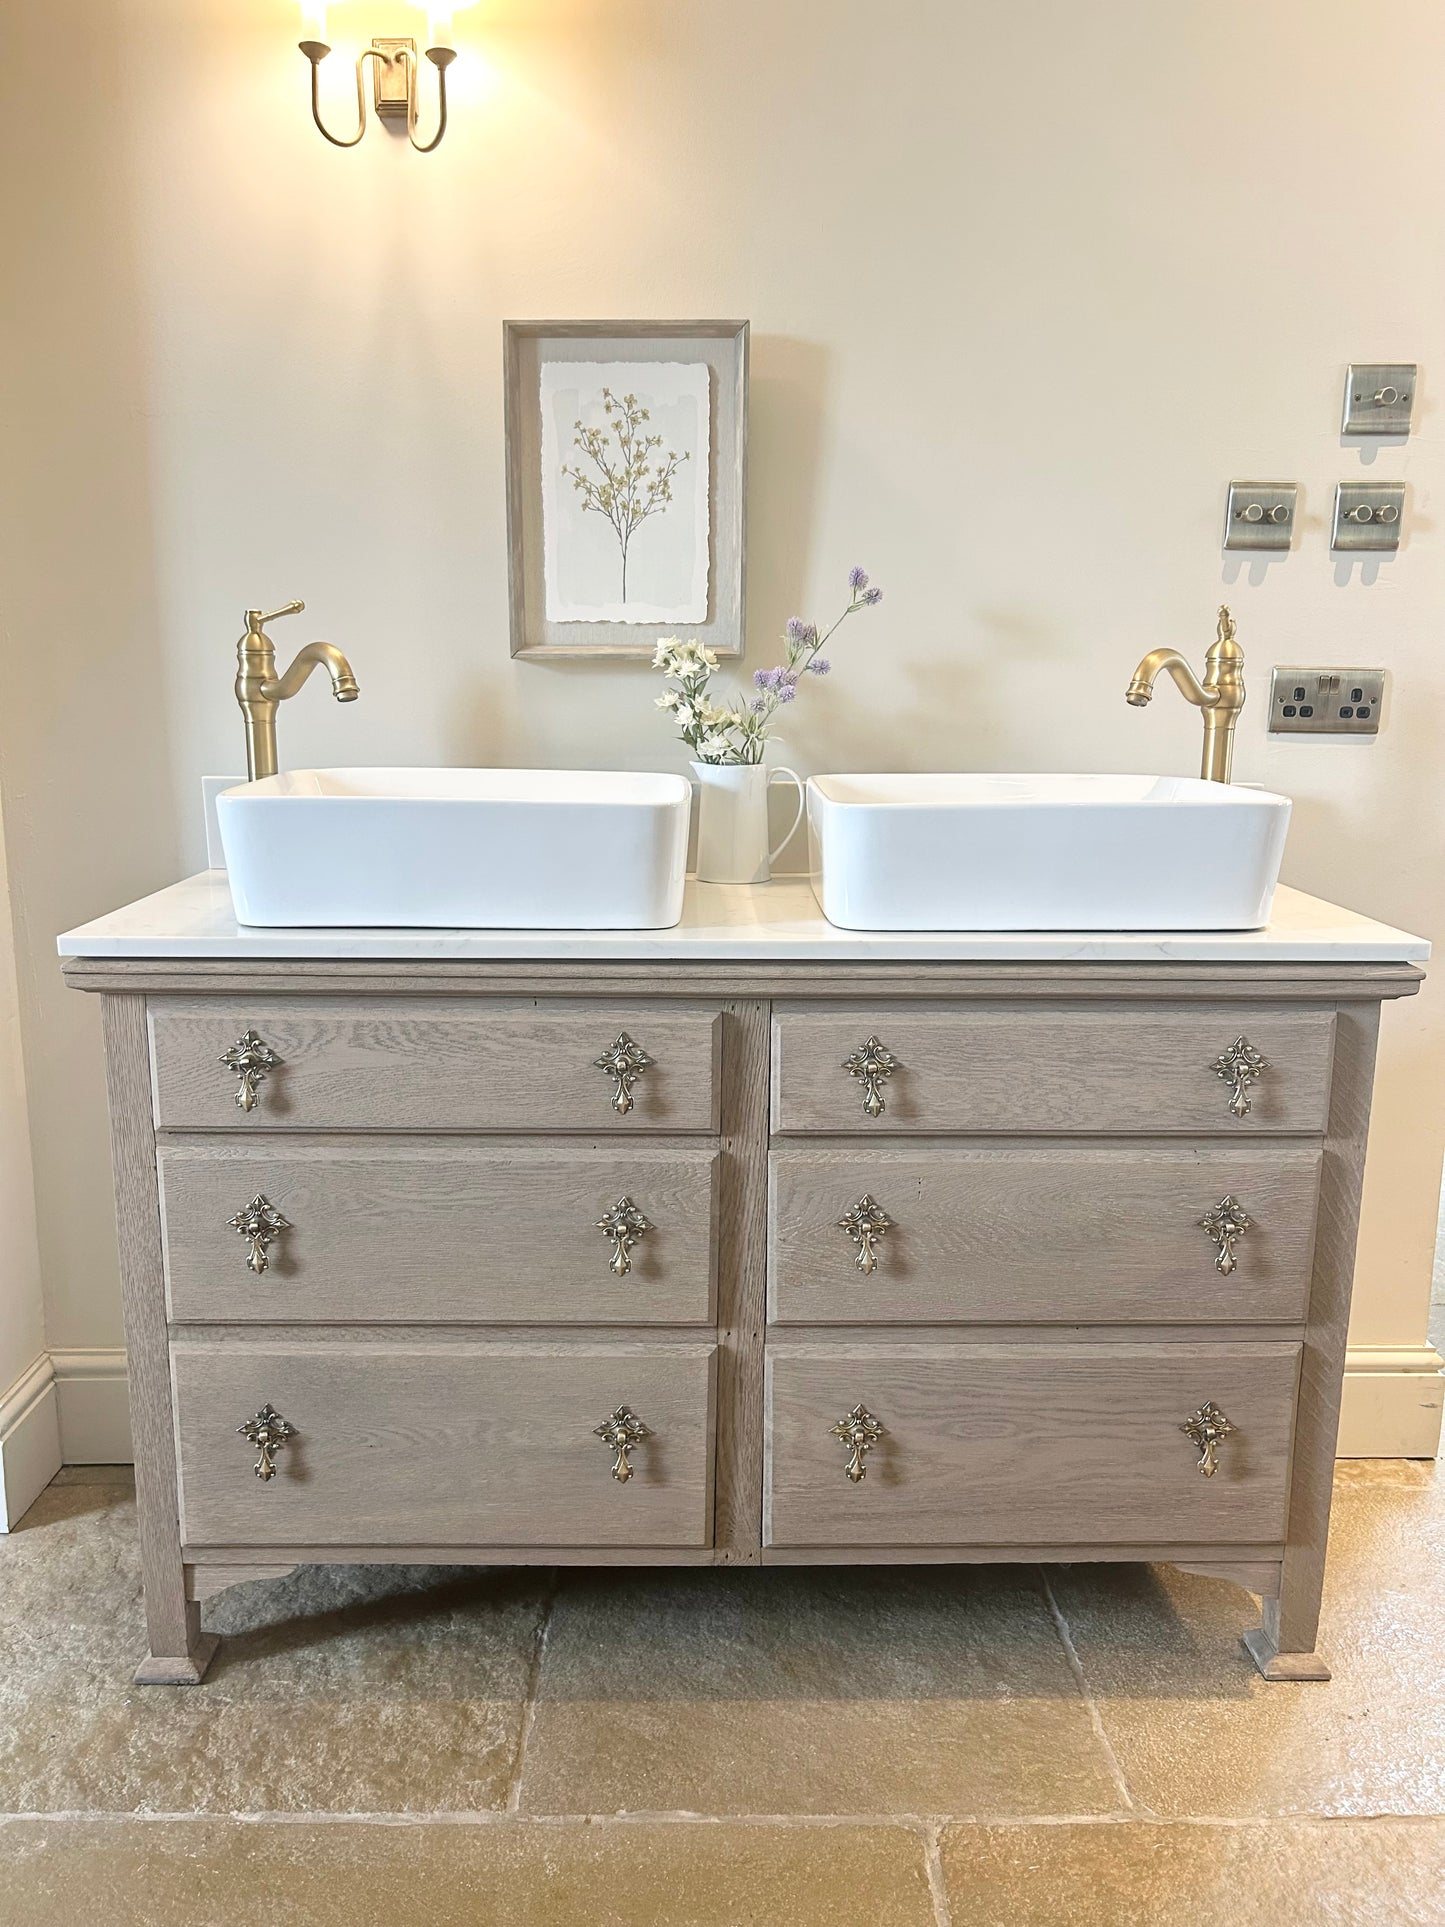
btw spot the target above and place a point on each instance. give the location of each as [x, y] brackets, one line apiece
[1220, 696]
[260, 691]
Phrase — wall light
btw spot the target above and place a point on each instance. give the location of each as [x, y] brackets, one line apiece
[394, 73]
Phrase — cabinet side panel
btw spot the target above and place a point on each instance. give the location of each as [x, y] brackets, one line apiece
[172, 1621]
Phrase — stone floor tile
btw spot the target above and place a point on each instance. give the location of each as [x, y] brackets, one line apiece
[779, 1691]
[96, 1475]
[508, 1874]
[341, 1689]
[1330, 1873]
[1199, 1733]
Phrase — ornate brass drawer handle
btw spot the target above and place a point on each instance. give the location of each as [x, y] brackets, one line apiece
[621, 1433]
[866, 1222]
[1207, 1427]
[252, 1059]
[626, 1062]
[872, 1063]
[860, 1432]
[624, 1224]
[1241, 1065]
[268, 1432]
[1226, 1223]
[260, 1224]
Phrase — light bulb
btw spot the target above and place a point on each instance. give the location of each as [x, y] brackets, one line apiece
[439, 21]
[313, 20]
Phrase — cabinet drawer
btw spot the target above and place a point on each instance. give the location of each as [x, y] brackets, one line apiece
[451, 1230]
[1018, 1445]
[444, 1445]
[442, 1064]
[1020, 1234]
[996, 1068]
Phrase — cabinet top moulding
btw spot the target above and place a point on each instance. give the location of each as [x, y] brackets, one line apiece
[1287, 982]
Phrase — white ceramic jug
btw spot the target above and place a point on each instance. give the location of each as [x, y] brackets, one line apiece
[732, 822]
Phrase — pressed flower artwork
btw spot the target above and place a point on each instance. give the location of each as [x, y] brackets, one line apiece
[625, 491]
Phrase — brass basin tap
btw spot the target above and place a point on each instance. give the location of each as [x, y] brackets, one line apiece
[1220, 697]
[260, 691]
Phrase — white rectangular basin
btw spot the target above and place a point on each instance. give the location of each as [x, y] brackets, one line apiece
[469, 849]
[1043, 852]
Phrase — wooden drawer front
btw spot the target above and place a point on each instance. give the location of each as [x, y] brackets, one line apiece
[448, 1230]
[443, 1064]
[994, 1068]
[445, 1445]
[1063, 1235]
[1016, 1445]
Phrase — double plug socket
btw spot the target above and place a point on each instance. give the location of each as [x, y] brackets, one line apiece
[1319, 702]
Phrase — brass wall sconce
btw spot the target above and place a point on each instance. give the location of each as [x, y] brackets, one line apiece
[395, 73]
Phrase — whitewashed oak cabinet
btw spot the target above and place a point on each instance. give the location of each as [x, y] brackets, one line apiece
[736, 1263]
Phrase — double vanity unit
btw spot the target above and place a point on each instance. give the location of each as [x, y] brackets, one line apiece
[752, 1240]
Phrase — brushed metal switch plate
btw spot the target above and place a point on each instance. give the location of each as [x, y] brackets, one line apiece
[1379, 396]
[1368, 515]
[1260, 515]
[1326, 702]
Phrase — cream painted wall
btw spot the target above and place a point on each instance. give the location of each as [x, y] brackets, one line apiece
[22, 1322]
[1028, 284]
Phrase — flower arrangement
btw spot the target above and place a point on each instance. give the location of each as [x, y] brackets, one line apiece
[739, 734]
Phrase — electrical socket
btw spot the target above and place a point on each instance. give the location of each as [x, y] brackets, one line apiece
[1319, 702]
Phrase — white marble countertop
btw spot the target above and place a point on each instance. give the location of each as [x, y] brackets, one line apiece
[776, 922]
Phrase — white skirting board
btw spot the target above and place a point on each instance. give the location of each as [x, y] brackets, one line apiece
[1392, 1403]
[94, 1403]
[71, 1408]
[29, 1440]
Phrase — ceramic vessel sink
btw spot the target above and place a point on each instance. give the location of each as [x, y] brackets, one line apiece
[1043, 852]
[479, 849]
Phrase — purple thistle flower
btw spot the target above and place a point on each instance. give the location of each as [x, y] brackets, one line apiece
[820, 665]
[871, 596]
[769, 678]
[787, 691]
[797, 629]
[757, 705]
[857, 580]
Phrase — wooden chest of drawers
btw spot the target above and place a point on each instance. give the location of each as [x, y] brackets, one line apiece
[611, 1262]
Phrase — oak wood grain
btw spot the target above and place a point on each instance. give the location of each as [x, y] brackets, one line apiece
[1007, 1069]
[179, 1651]
[742, 1283]
[1284, 1646]
[846, 981]
[451, 1229]
[446, 1444]
[459, 1064]
[1061, 1234]
[993, 1444]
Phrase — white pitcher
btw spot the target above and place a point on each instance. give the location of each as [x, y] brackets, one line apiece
[732, 822]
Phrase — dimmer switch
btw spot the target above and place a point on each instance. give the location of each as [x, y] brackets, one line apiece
[1259, 515]
[1379, 396]
[1368, 516]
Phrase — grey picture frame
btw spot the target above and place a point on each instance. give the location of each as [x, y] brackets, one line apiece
[723, 347]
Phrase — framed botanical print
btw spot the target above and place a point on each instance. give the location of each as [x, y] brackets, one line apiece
[626, 477]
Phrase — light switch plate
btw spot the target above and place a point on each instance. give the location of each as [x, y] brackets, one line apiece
[1260, 515]
[1379, 396]
[1326, 702]
[1368, 516]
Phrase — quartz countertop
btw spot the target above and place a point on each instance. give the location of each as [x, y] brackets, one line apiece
[775, 922]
